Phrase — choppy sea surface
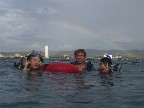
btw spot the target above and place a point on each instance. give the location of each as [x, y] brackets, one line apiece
[124, 89]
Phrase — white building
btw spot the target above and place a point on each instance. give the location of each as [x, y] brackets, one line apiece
[46, 52]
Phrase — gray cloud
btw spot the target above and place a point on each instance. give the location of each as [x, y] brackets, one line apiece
[71, 24]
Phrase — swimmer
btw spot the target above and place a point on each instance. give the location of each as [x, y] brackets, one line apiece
[32, 66]
[80, 56]
[33, 62]
[105, 66]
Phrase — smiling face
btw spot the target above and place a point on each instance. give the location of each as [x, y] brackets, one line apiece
[80, 58]
[34, 62]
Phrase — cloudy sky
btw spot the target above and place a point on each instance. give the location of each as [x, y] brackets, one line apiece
[71, 24]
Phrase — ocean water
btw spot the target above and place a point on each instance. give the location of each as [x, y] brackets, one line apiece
[124, 89]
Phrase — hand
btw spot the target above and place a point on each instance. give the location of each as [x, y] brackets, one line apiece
[26, 66]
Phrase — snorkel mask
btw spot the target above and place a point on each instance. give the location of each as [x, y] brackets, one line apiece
[35, 54]
[21, 63]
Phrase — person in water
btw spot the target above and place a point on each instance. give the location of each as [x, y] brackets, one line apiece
[80, 56]
[33, 61]
[105, 66]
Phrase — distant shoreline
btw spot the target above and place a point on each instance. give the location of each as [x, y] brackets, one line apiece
[90, 53]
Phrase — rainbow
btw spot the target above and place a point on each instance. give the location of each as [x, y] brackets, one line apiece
[98, 35]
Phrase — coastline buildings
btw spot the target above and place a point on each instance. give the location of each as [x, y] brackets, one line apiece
[111, 56]
[1, 55]
[46, 52]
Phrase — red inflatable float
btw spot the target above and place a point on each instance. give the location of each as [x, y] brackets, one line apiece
[60, 67]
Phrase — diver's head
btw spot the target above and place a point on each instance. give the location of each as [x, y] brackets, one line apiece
[80, 56]
[35, 60]
[80, 51]
[105, 65]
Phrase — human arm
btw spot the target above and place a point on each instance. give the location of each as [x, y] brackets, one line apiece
[25, 69]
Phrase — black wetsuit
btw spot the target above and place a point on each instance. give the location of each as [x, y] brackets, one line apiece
[88, 66]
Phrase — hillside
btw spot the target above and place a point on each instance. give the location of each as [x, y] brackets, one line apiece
[90, 53]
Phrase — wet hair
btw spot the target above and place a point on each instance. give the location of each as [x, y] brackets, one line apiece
[106, 60]
[80, 51]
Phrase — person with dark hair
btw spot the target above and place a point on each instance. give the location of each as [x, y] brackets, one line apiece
[105, 65]
[80, 56]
